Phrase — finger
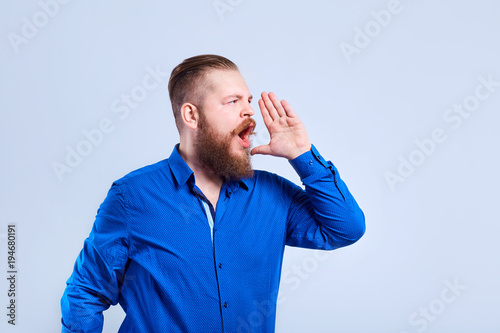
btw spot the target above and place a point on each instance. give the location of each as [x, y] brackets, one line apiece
[265, 113]
[270, 106]
[277, 104]
[290, 112]
[262, 150]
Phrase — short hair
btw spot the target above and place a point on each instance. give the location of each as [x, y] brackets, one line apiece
[186, 83]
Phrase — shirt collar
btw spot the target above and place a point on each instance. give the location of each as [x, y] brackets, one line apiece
[182, 172]
[243, 183]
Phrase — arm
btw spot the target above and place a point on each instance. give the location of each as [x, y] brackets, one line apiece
[325, 215]
[99, 269]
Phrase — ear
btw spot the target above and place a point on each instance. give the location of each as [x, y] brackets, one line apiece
[190, 115]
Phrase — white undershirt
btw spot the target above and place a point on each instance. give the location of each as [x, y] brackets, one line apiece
[210, 219]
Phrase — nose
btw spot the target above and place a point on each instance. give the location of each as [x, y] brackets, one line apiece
[247, 111]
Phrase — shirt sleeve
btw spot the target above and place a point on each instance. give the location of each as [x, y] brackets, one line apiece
[324, 216]
[99, 269]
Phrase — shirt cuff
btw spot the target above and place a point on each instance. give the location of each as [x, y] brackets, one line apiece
[309, 163]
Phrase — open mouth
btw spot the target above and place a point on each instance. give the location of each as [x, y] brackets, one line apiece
[244, 136]
[244, 131]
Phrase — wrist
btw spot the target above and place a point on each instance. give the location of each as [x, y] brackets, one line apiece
[299, 151]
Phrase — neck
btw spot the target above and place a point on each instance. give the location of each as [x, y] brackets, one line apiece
[205, 179]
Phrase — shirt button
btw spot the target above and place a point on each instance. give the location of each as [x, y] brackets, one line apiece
[225, 304]
[220, 265]
[310, 162]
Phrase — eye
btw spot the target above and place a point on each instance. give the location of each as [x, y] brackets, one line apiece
[233, 101]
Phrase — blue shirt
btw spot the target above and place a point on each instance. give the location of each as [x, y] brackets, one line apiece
[151, 249]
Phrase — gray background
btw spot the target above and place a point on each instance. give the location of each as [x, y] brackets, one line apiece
[364, 112]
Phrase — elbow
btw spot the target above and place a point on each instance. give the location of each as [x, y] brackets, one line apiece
[360, 224]
[357, 227]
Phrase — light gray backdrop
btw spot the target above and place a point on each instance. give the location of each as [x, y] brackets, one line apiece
[402, 96]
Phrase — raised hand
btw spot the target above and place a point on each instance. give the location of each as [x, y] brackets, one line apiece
[289, 137]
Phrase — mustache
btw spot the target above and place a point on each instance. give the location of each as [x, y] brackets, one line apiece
[244, 125]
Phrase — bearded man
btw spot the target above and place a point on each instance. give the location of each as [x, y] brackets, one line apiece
[195, 242]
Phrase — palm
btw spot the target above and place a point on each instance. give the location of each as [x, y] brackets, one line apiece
[288, 135]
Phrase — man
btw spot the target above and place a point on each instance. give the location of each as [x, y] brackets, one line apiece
[194, 243]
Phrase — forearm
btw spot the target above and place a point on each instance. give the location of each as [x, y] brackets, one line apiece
[82, 310]
[338, 220]
[91, 289]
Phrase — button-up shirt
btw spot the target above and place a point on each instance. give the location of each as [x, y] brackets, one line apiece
[153, 251]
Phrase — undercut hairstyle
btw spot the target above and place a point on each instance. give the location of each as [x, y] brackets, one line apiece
[188, 84]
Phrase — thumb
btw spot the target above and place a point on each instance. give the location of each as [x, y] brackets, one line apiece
[263, 150]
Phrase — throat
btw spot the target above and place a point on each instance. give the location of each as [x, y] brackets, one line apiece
[213, 200]
[211, 191]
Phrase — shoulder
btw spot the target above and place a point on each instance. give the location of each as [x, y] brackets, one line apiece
[263, 176]
[145, 175]
[272, 182]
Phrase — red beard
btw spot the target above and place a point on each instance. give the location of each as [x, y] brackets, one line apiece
[213, 151]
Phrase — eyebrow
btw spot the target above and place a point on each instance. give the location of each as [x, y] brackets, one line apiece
[239, 96]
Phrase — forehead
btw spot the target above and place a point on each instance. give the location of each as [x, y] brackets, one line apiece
[226, 82]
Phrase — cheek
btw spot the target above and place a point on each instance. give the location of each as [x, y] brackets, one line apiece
[227, 126]
[225, 122]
